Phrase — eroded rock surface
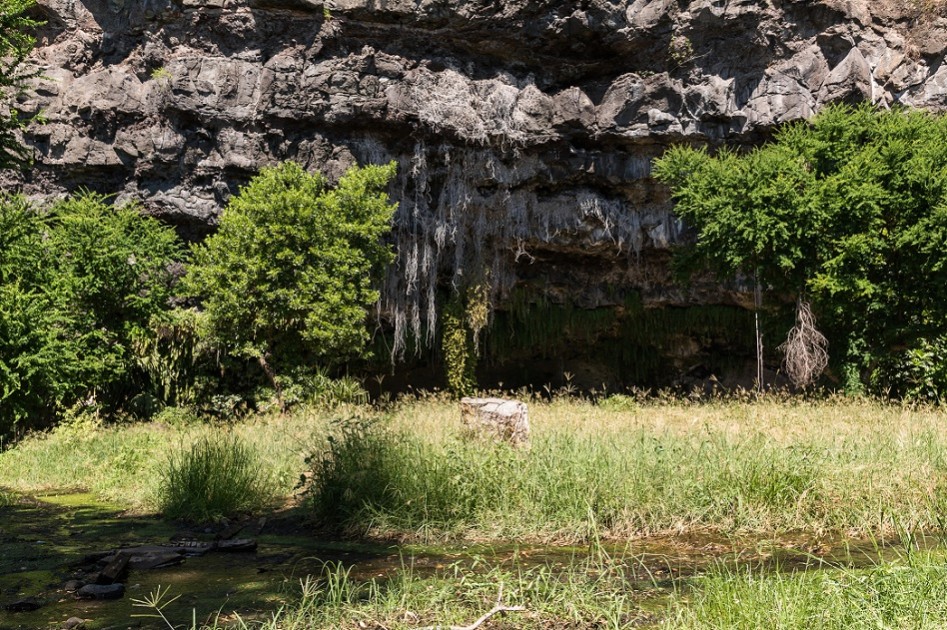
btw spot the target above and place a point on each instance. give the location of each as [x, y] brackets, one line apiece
[523, 129]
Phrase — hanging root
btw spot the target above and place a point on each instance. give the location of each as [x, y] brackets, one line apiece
[806, 349]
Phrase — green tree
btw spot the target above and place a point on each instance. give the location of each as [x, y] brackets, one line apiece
[16, 42]
[76, 282]
[288, 276]
[849, 208]
[36, 356]
[114, 268]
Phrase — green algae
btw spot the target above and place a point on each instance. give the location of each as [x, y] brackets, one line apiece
[44, 540]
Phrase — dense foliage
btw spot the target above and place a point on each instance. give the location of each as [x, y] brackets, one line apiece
[849, 209]
[77, 283]
[89, 318]
[16, 42]
[288, 277]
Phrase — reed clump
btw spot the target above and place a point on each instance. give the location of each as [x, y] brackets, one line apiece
[216, 477]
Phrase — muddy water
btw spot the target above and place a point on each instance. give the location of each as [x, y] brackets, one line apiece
[43, 540]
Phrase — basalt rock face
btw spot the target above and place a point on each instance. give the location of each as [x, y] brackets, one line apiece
[523, 129]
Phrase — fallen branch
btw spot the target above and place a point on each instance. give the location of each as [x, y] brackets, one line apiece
[499, 608]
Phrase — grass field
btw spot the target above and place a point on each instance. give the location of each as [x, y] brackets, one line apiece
[620, 470]
[847, 466]
[595, 475]
[605, 592]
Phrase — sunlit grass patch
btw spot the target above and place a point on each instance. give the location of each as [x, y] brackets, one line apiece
[123, 463]
[910, 592]
[588, 594]
[629, 470]
[216, 477]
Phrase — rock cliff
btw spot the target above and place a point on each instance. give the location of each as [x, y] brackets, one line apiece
[523, 129]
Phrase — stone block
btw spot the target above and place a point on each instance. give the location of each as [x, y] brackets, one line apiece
[496, 419]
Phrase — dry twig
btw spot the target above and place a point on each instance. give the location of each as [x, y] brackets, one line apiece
[499, 608]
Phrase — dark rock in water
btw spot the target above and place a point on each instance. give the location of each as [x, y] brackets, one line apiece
[73, 623]
[185, 548]
[72, 586]
[192, 547]
[28, 604]
[239, 544]
[155, 560]
[101, 591]
[114, 571]
[231, 530]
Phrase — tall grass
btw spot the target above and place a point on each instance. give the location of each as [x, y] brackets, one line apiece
[589, 594]
[910, 592]
[618, 592]
[751, 467]
[565, 485]
[216, 477]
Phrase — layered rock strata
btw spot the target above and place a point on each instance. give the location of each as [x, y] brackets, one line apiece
[523, 129]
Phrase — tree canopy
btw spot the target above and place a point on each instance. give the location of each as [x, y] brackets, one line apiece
[849, 208]
[288, 276]
[77, 281]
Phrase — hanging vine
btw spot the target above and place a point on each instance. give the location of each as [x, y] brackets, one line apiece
[464, 218]
[460, 356]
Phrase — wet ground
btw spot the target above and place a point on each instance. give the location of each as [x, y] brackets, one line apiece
[43, 542]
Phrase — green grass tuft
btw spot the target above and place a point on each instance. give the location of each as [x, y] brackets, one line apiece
[910, 592]
[217, 477]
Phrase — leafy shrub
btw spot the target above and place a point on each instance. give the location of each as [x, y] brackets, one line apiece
[849, 209]
[316, 387]
[76, 282]
[287, 278]
[917, 374]
[176, 417]
[216, 477]
[115, 267]
[173, 355]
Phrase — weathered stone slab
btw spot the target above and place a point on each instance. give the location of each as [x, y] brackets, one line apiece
[114, 571]
[155, 560]
[497, 419]
[237, 544]
[185, 548]
[101, 591]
